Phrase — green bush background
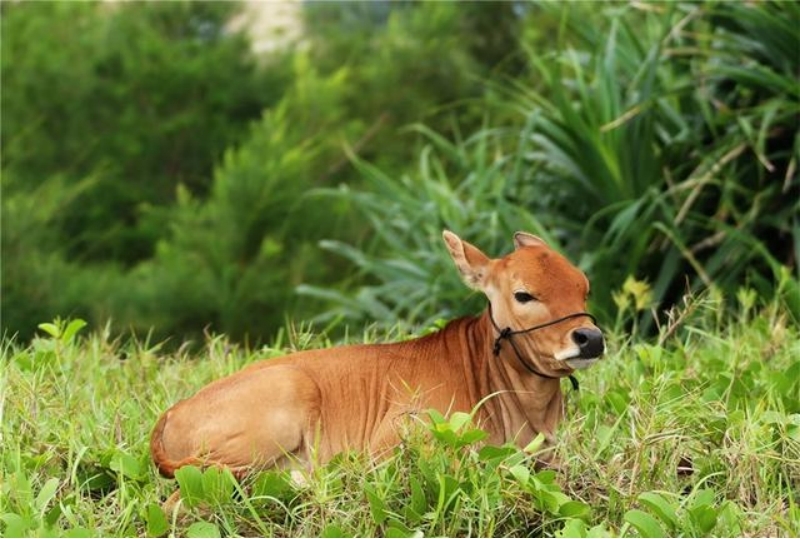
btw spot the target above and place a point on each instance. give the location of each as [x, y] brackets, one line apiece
[158, 175]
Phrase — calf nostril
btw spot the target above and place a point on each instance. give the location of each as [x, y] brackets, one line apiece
[580, 338]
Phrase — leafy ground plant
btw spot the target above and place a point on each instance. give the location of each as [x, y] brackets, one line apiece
[697, 435]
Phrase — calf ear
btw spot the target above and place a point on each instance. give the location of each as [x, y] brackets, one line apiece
[470, 261]
[523, 239]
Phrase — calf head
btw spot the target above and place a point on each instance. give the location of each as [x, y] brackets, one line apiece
[537, 303]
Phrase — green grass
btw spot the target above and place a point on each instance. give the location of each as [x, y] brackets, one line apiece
[697, 436]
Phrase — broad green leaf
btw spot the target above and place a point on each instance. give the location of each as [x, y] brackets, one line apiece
[448, 486]
[126, 465]
[729, 516]
[553, 500]
[20, 485]
[16, 525]
[50, 329]
[521, 473]
[218, 485]
[24, 360]
[645, 524]
[491, 453]
[376, 505]
[436, 417]
[598, 531]
[546, 476]
[573, 527]
[705, 496]
[203, 529]
[619, 402]
[157, 524]
[398, 529]
[661, 508]
[704, 518]
[793, 427]
[273, 484]
[72, 329]
[419, 501]
[575, 509]
[190, 481]
[333, 530]
[46, 494]
[535, 444]
[79, 532]
[473, 435]
[445, 435]
[458, 420]
[52, 515]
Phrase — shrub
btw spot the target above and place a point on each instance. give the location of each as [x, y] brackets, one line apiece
[232, 260]
[619, 154]
[139, 96]
[662, 177]
[404, 270]
[228, 250]
[229, 261]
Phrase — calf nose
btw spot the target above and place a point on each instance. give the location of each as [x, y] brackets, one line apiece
[590, 342]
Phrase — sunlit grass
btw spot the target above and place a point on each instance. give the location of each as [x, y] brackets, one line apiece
[700, 436]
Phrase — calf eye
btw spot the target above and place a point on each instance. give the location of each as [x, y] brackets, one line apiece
[523, 297]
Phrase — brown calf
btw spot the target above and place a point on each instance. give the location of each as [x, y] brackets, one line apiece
[321, 402]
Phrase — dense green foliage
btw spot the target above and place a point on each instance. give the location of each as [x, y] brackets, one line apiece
[158, 176]
[106, 111]
[698, 435]
[135, 98]
[226, 253]
[616, 153]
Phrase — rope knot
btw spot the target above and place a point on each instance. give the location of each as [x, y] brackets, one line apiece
[498, 342]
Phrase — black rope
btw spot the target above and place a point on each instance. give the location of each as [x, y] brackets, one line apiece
[498, 342]
[507, 334]
[575, 385]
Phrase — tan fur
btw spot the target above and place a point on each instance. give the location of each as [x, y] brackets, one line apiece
[314, 404]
